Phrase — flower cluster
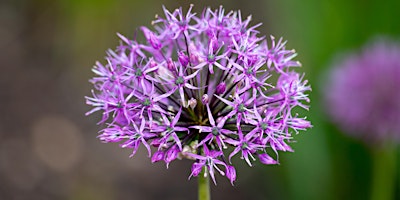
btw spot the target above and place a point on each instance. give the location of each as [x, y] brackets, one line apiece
[362, 94]
[204, 88]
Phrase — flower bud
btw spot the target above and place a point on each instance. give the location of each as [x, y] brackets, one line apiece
[220, 88]
[152, 63]
[183, 59]
[171, 65]
[171, 155]
[214, 44]
[157, 156]
[151, 38]
[204, 99]
[192, 103]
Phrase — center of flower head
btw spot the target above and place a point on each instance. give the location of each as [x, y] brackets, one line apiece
[211, 57]
[241, 108]
[116, 135]
[249, 71]
[220, 22]
[146, 102]
[138, 72]
[215, 131]
[245, 145]
[169, 129]
[182, 23]
[243, 30]
[264, 126]
[135, 136]
[179, 80]
[272, 54]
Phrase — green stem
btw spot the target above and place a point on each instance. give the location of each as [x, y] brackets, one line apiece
[384, 173]
[204, 185]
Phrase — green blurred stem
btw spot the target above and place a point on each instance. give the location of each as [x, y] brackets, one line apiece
[384, 173]
[204, 185]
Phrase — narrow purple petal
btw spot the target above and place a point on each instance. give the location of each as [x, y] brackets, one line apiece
[266, 159]
[210, 117]
[176, 118]
[225, 101]
[196, 169]
[230, 173]
[202, 128]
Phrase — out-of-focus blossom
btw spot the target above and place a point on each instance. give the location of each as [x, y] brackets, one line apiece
[199, 87]
[362, 94]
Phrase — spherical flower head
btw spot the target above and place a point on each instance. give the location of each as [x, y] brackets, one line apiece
[362, 95]
[199, 88]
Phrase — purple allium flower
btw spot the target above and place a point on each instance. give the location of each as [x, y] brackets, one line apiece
[200, 87]
[362, 95]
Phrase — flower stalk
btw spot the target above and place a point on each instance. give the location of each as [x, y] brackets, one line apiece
[384, 173]
[361, 96]
[204, 185]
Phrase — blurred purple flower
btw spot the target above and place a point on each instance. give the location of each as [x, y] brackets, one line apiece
[362, 94]
[199, 88]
